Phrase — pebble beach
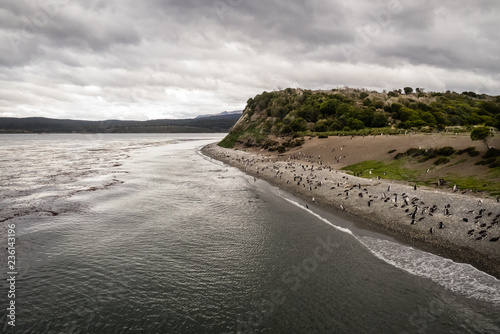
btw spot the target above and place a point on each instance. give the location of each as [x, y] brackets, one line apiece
[458, 226]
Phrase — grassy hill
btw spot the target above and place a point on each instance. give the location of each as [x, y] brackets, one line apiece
[295, 113]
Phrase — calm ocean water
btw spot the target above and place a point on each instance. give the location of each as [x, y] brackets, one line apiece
[143, 234]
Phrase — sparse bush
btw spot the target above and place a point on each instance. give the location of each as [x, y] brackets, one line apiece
[446, 151]
[492, 153]
[495, 164]
[424, 159]
[466, 150]
[399, 156]
[441, 161]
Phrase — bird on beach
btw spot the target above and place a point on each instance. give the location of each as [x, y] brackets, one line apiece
[441, 225]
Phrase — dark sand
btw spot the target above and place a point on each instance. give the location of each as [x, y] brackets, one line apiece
[469, 224]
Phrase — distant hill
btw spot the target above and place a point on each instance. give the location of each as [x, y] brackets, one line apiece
[294, 112]
[224, 113]
[207, 124]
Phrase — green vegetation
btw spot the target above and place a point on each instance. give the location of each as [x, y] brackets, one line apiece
[490, 183]
[296, 112]
[441, 161]
[424, 155]
[230, 140]
[393, 170]
[491, 158]
[471, 151]
[481, 133]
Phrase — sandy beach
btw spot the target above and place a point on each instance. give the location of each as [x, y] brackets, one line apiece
[461, 226]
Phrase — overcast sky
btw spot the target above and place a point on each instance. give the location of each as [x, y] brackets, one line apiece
[150, 59]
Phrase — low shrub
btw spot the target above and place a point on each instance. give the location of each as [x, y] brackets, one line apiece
[445, 151]
[399, 156]
[441, 161]
[492, 153]
[467, 150]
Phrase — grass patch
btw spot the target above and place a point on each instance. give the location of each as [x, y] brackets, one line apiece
[486, 184]
[393, 170]
[249, 137]
[230, 140]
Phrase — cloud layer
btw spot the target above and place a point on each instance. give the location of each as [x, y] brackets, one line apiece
[97, 59]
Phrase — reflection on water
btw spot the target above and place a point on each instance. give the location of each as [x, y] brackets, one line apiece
[141, 233]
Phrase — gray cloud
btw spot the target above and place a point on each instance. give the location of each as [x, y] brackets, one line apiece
[180, 58]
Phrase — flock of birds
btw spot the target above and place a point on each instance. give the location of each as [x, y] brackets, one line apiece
[304, 171]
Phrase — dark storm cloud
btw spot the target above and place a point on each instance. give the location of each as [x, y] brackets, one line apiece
[163, 58]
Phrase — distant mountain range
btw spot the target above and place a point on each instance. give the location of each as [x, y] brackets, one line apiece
[202, 124]
[224, 113]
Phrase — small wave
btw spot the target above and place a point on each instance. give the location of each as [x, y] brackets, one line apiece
[458, 277]
[343, 229]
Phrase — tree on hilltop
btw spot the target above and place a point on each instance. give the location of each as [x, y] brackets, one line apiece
[482, 133]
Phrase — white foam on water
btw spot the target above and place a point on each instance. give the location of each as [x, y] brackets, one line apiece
[458, 277]
[343, 229]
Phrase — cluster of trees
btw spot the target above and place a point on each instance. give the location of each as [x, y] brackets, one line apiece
[294, 110]
[290, 111]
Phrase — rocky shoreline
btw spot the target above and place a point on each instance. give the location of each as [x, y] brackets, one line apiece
[458, 226]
